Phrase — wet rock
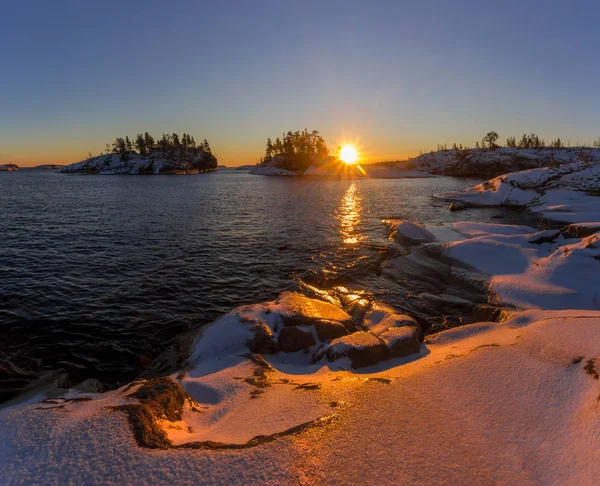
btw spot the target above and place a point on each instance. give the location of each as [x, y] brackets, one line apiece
[383, 317]
[295, 339]
[457, 206]
[363, 349]
[263, 341]
[299, 310]
[401, 341]
[328, 330]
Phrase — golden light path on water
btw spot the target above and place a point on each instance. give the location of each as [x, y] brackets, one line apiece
[349, 214]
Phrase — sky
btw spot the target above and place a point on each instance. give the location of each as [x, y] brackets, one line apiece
[395, 77]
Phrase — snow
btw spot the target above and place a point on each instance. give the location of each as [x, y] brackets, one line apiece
[556, 274]
[412, 232]
[512, 402]
[270, 171]
[566, 193]
[503, 160]
[488, 403]
[112, 164]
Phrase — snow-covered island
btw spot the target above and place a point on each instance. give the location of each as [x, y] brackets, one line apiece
[486, 162]
[49, 167]
[169, 155]
[304, 153]
[8, 167]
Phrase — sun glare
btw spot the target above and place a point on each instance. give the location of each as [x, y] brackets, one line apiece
[348, 155]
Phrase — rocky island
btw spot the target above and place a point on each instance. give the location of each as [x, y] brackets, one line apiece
[145, 156]
[8, 167]
[488, 159]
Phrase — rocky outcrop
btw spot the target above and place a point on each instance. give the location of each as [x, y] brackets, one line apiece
[132, 163]
[297, 323]
[293, 338]
[401, 341]
[160, 398]
[567, 193]
[492, 163]
[362, 348]
[328, 330]
[8, 167]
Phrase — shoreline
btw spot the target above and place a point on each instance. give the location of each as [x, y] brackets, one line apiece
[242, 397]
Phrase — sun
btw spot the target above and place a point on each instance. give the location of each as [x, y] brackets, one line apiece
[348, 154]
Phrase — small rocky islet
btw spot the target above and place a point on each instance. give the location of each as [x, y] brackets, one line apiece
[169, 155]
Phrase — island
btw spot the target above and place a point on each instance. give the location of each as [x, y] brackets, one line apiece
[488, 159]
[169, 155]
[303, 153]
[8, 167]
[48, 167]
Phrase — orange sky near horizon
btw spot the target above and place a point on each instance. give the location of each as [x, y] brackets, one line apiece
[226, 155]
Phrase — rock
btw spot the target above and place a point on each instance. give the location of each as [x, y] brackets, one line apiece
[91, 385]
[160, 398]
[328, 330]
[299, 310]
[548, 236]
[401, 341]
[383, 317]
[409, 232]
[485, 313]
[293, 338]
[263, 341]
[580, 230]
[457, 206]
[363, 349]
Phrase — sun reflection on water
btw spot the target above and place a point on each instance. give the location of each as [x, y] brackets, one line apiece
[349, 214]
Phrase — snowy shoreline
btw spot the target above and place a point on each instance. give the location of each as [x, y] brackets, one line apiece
[321, 389]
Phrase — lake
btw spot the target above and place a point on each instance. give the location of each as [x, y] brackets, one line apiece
[98, 274]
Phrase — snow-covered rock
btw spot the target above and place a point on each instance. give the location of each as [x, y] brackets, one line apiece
[135, 164]
[567, 193]
[8, 167]
[270, 171]
[362, 348]
[490, 163]
[407, 231]
[506, 403]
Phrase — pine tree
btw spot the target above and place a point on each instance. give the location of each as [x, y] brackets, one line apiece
[149, 142]
[140, 144]
[269, 149]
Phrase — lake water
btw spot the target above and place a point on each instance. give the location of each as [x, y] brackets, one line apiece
[98, 274]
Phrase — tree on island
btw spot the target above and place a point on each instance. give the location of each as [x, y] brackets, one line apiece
[182, 150]
[296, 150]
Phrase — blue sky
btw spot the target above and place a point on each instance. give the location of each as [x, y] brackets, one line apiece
[395, 76]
